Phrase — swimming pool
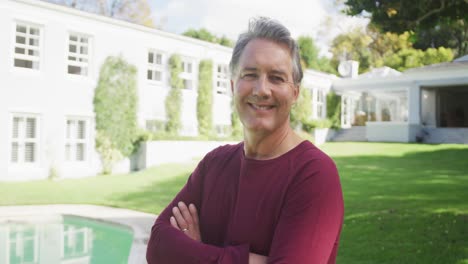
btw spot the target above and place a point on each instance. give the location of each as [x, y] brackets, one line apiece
[63, 239]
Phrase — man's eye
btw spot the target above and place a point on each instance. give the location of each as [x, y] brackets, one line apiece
[276, 79]
[249, 76]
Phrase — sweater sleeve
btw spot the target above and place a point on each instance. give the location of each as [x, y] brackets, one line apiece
[169, 245]
[311, 218]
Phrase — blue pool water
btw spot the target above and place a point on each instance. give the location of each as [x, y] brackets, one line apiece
[65, 239]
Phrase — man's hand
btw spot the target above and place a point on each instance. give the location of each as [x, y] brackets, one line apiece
[257, 259]
[186, 220]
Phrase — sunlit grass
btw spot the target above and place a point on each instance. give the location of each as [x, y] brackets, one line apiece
[404, 203]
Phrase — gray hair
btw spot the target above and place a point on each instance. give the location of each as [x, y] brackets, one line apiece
[263, 27]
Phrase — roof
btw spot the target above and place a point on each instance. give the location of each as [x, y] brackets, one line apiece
[379, 72]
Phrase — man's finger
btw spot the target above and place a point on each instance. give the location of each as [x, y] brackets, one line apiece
[186, 214]
[179, 218]
[194, 213]
[173, 222]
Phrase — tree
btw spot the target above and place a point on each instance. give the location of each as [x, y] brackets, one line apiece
[310, 58]
[173, 101]
[205, 98]
[204, 34]
[373, 49]
[436, 23]
[115, 104]
[353, 45]
[135, 11]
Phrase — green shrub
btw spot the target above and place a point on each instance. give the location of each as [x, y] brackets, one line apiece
[334, 110]
[205, 98]
[173, 101]
[115, 104]
[110, 155]
[302, 110]
[310, 125]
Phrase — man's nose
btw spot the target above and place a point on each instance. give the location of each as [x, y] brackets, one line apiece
[262, 87]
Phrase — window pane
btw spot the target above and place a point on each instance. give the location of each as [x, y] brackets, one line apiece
[72, 58]
[20, 28]
[81, 129]
[69, 128]
[16, 124]
[20, 40]
[19, 50]
[84, 40]
[158, 59]
[14, 152]
[150, 57]
[73, 38]
[189, 67]
[72, 48]
[30, 128]
[23, 63]
[80, 149]
[150, 75]
[34, 31]
[67, 152]
[74, 69]
[157, 76]
[34, 42]
[84, 50]
[188, 84]
[29, 152]
[33, 53]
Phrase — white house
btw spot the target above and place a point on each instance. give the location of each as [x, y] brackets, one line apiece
[50, 61]
[427, 104]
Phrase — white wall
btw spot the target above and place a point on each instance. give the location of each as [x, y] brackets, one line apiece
[54, 95]
[391, 131]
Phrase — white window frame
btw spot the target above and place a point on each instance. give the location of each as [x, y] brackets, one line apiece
[81, 60]
[154, 66]
[188, 73]
[27, 47]
[72, 140]
[69, 234]
[21, 139]
[222, 79]
[19, 241]
[319, 103]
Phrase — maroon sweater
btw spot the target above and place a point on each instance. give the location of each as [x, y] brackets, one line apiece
[289, 208]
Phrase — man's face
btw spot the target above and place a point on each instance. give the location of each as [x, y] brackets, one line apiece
[263, 89]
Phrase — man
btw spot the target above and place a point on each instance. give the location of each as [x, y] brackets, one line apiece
[273, 198]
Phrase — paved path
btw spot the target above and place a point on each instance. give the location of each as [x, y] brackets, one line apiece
[139, 222]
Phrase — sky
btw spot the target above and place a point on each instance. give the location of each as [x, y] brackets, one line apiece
[315, 18]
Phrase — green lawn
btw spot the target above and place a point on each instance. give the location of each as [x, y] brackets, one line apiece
[405, 203]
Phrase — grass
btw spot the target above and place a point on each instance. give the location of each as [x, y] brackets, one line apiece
[405, 203]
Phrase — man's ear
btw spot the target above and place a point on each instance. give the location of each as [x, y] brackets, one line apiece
[296, 91]
[232, 86]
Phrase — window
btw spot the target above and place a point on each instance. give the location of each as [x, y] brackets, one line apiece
[155, 66]
[24, 139]
[188, 74]
[76, 145]
[222, 79]
[76, 241]
[320, 104]
[27, 46]
[78, 54]
[23, 245]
